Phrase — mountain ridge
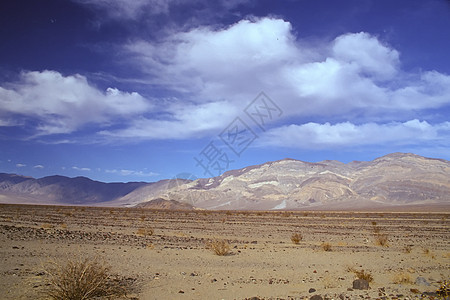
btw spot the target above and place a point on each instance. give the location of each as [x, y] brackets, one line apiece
[389, 180]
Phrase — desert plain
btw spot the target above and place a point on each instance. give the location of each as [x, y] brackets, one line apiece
[164, 254]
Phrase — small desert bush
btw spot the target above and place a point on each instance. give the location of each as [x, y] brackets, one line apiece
[402, 278]
[296, 238]
[407, 249]
[219, 247]
[381, 239]
[326, 246]
[145, 231]
[81, 279]
[361, 274]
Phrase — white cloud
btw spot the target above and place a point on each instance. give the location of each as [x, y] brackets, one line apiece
[63, 104]
[220, 70]
[38, 167]
[81, 169]
[21, 165]
[355, 75]
[367, 54]
[186, 121]
[322, 136]
[125, 172]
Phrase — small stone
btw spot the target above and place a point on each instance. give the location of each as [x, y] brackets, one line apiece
[181, 292]
[316, 297]
[311, 290]
[415, 291]
[422, 281]
[361, 284]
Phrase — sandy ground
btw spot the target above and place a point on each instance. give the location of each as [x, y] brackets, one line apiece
[174, 262]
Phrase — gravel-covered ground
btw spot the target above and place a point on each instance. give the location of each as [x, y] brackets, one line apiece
[165, 254]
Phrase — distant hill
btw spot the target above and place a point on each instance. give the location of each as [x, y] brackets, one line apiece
[394, 180]
[61, 190]
[165, 204]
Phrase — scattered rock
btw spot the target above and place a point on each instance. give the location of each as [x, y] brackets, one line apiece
[422, 281]
[311, 290]
[181, 292]
[430, 294]
[360, 284]
[316, 297]
[415, 291]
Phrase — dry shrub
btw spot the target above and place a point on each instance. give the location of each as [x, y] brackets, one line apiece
[296, 238]
[361, 274]
[329, 282]
[145, 231]
[407, 249]
[381, 239]
[81, 279]
[219, 247]
[402, 278]
[46, 226]
[326, 246]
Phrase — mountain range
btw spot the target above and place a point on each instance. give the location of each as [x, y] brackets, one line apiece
[397, 179]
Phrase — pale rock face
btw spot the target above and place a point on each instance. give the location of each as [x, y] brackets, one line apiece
[391, 180]
[394, 179]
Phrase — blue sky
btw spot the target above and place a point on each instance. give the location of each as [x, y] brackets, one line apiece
[143, 90]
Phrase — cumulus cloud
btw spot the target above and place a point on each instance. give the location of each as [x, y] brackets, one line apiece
[125, 172]
[367, 54]
[219, 70]
[21, 165]
[186, 121]
[346, 134]
[356, 75]
[63, 104]
[38, 167]
[81, 169]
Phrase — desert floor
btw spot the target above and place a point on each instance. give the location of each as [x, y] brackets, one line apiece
[175, 262]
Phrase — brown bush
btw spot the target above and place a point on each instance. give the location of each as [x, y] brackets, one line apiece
[219, 247]
[381, 239]
[81, 279]
[296, 238]
[326, 246]
[402, 278]
[145, 231]
[361, 274]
